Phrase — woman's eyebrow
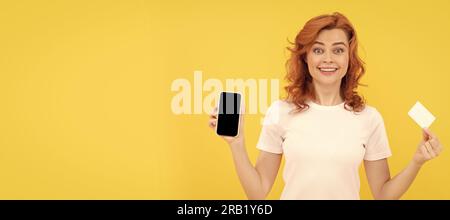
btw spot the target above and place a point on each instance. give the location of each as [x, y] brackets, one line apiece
[339, 43]
[318, 42]
[335, 43]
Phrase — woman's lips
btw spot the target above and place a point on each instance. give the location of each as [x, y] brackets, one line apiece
[328, 71]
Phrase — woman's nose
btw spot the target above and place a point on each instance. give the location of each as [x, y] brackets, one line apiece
[327, 57]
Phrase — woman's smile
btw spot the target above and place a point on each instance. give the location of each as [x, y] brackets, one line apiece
[328, 71]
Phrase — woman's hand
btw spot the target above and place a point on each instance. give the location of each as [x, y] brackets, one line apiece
[429, 148]
[239, 139]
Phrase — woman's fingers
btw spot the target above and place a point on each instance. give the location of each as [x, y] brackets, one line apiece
[430, 149]
[433, 141]
[435, 145]
[213, 114]
[429, 133]
[212, 123]
[425, 152]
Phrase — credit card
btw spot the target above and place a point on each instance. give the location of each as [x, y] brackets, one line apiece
[421, 115]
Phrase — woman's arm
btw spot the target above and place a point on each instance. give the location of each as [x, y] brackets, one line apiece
[381, 184]
[256, 180]
[378, 175]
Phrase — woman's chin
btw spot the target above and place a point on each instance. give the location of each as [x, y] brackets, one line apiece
[329, 81]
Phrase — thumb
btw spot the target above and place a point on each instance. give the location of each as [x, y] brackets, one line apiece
[426, 134]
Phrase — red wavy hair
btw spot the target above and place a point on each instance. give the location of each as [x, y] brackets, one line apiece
[300, 87]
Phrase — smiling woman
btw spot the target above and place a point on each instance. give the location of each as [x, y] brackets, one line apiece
[326, 50]
[323, 128]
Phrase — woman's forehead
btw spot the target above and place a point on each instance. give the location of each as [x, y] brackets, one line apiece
[333, 36]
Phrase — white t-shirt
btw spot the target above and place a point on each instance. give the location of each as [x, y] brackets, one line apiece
[323, 147]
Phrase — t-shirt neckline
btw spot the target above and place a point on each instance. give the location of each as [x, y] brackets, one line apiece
[325, 107]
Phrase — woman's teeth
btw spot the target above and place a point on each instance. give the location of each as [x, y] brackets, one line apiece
[327, 69]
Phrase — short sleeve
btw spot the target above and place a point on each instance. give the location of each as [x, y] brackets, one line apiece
[377, 147]
[271, 137]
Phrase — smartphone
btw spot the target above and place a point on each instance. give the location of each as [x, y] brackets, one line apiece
[229, 113]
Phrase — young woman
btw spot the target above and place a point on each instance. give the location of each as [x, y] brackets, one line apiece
[323, 128]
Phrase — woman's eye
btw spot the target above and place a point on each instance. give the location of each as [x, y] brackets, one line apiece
[339, 51]
[317, 50]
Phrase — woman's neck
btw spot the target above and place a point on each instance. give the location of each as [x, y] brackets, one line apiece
[327, 96]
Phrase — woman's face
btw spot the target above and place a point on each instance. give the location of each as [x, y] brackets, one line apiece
[328, 57]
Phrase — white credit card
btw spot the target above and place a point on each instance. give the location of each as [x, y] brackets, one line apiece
[421, 115]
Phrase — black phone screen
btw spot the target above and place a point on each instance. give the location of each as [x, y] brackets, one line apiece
[228, 115]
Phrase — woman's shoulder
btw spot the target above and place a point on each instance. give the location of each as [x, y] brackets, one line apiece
[281, 106]
[371, 112]
[278, 111]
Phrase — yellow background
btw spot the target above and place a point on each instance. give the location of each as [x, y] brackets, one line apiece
[85, 90]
